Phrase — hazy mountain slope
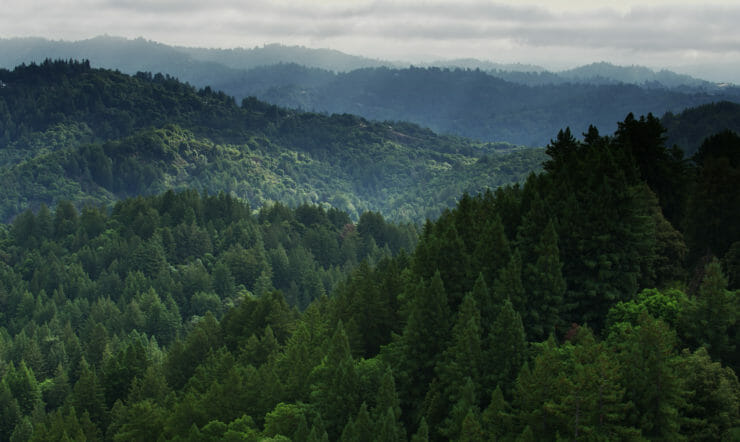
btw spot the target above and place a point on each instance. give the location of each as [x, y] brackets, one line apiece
[248, 58]
[503, 105]
[93, 136]
[478, 105]
[607, 73]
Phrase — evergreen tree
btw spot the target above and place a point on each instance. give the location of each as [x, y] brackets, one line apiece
[492, 251]
[463, 358]
[545, 286]
[453, 425]
[422, 433]
[414, 354]
[646, 353]
[88, 395]
[335, 388]
[505, 350]
[23, 387]
[10, 412]
[712, 399]
[710, 319]
[497, 418]
[388, 405]
[508, 284]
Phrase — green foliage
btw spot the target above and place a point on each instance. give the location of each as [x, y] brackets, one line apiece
[184, 316]
[157, 134]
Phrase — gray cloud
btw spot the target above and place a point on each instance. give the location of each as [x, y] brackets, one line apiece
[677, 32]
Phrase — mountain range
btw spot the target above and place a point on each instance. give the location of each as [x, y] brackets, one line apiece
[487, 101]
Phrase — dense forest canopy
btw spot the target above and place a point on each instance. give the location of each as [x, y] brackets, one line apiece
[597, 299]
[520, 314]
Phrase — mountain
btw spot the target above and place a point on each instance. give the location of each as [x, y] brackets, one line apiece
[607, 73]
[271, 54]
[492, 102]
[69, 131]
[475, 104]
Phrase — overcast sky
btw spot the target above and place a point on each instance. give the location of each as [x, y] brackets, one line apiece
[701, 39]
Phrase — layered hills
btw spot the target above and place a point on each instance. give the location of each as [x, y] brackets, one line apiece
[69, 131]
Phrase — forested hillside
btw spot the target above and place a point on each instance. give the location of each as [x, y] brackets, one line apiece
[92, 136]
[598, 300]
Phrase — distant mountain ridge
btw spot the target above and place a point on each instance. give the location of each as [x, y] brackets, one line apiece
[520, 104]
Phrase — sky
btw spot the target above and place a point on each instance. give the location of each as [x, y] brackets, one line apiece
[698, 38]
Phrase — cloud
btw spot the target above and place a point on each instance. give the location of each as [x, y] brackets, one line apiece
[526, 31]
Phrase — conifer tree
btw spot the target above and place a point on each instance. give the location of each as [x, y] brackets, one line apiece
[23, 386]
[467, 403]
[508, 284]
[88, 395]
[646, 353]
[463, 358]
[414, 354]
[711, 316]
[497, 418]
[335, 389]
[422, 433]
[545, 286]
[10, 412]
[386, 401]
[492, 251]
[505, 350]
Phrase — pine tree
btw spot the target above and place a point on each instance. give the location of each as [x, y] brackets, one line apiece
[492, 251]
[471, 430]
[422, 433]
[452, 427]
[545, 286]
[23, 386]
[414, 354]
[711, 316]
[497, 418]
[88, 396]
[335, 387]
[386, 401]
[646, 353]
[486, 304]
[537, 386]
[505, 350]
[508, 284]
[10, 412]
[463, 358]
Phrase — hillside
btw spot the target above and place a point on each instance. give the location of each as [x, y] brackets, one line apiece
[93, 136]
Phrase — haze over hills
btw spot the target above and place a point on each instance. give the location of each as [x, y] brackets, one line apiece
[521, 104]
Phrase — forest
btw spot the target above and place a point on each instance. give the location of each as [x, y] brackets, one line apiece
[93, 136]
[597, 299]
